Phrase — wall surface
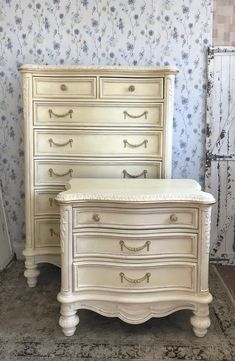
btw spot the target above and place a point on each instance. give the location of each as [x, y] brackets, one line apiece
[125, 32]
[224, 22]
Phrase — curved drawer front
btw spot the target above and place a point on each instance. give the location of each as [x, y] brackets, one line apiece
[44, 87]
[76, 143]
[123, 277]
[121, 218]
[161, 245]
[131, 88]
[64, 114]
[44, 203]
[47, 233]
[57, 173]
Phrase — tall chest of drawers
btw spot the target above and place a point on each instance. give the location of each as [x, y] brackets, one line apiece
[94, 122]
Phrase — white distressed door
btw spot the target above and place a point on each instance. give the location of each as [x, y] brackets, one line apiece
[6, 252]
[220, 161]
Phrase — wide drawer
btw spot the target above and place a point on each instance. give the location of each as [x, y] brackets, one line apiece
[135, 277]
[47, 233]
[44, 87]
[88, 143]
[64, 114]
[132, 88]
[59, 173]
[135, 245]
[119, 217]
[44, 202]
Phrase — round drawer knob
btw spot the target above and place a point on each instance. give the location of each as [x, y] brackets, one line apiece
[96, 218]
[131, 88]
[173, 218]
[63, 87]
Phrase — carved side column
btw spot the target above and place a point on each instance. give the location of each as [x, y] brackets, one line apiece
[200, 320]
[168, 124]
[204, 241]
[68, 319]
[31, 272]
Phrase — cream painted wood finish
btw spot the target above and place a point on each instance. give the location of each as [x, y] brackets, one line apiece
[134, 249]
[96, 122]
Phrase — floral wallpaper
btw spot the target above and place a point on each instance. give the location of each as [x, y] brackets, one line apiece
[105, 32]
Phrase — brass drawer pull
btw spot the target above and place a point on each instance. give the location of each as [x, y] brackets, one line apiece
[126, 174]
[145, 142]
[51, 141]
[70, 113]
[173, 218]
[96, 217]
[131, 88]
[51, 171]
[63, 87]
[126, 114]
[52, 232]
[134, 249]
[137, 280]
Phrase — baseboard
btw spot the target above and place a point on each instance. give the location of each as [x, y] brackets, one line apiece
[224, 285]
[18, 249]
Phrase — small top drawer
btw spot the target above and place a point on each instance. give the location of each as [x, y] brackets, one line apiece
[132, 88]
[124, 218]
[45, 87]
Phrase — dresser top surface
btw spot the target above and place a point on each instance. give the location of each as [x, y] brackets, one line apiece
[32, 68]
[134, 190]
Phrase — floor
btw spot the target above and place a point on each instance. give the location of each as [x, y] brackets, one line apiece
[227, 274]
[29, 327]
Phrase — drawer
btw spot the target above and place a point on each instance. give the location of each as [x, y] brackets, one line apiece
[135, 277]
[59, 173]
[135, 245]
[143, 218]
[44, 202]
[50, 87]
[47, 233]
[87, 143]
[64, 114]
[132, 88]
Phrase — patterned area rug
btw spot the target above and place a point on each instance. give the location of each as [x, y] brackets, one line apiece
[29, 327]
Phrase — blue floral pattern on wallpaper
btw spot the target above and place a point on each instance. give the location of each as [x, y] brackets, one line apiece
[106, 32]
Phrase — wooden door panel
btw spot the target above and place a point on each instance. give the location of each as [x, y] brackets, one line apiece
[220, 150]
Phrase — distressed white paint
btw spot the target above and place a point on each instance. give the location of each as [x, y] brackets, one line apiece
[149, 282]
[220, 170]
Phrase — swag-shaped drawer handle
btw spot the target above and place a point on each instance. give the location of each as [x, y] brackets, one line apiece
[135, 280]
[126, 174]
[52, 232]
[125, 142]
[126, 114]
[70, 113]
[51, 172]
[135, 249]
[51, 141]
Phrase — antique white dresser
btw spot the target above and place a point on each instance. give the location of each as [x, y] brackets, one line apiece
[134, 249]
[112, 122]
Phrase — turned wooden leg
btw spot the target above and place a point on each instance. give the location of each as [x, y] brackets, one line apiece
[68, 320]
[200, 320]
[31, 272]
